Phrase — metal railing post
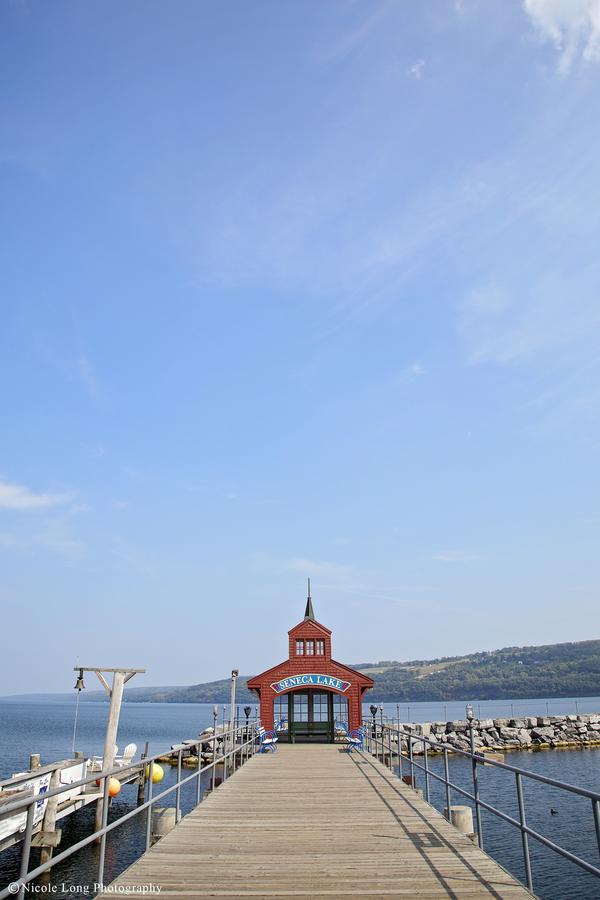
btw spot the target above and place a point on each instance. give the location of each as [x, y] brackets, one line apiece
[149, 816]
[426, 770]
[476, 787]
[524, 837]
[26, 851]
[391, 764]
[596, 808]
[447, 782]
[178, 791]
[214, 761]
[102, 855]
[411, 757]
[399, 753]
[199, 778]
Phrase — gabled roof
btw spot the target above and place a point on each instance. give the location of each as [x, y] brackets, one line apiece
[364, 680]
[310, 622]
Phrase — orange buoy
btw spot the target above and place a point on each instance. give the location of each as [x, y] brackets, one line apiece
[114, 786]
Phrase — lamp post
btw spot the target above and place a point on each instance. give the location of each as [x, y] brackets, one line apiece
[214, 759]
[373, 709]
[381, 714]
[247, 711]
[234, 675]
[469, 712]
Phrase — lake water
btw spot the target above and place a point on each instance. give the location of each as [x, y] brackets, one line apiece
[47, 728]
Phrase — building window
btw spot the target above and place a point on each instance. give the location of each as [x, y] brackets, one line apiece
[280, 712]
[340, 709]
[299, 648]
[300, 707]
[320, 708]
[320, 648]
[310, 648]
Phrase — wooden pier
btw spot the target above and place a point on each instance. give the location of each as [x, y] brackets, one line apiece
[315, 821]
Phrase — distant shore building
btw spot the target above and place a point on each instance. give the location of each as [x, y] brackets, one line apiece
[310, 691]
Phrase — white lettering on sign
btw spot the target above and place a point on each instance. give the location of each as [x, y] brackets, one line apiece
[311, 678]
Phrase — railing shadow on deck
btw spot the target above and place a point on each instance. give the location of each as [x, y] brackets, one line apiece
[428, 859]
[389, 742]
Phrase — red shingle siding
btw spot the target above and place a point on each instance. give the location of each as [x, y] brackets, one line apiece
[298, 665]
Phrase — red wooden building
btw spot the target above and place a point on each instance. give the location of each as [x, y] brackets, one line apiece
[310, 690]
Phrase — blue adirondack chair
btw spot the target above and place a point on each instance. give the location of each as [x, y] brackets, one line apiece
[268, 739]
[355, 740]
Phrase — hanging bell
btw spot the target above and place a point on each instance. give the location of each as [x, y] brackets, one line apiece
[79, 685]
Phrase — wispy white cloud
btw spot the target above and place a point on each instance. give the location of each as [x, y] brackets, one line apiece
[77, 368]
[573, 26]
[96, 451]
[416, 70]
[373, 589]
[19, 497]
[236, 497]
[54, 537]
[87, 377]
[507, 324]
[358, 34]
[454, 556]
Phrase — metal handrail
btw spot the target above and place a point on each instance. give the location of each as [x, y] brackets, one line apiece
[478, 759]
[245, 749]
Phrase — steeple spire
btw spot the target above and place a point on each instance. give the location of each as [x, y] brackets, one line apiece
[309, 613]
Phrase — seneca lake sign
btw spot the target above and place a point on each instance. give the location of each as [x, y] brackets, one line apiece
[310, 680]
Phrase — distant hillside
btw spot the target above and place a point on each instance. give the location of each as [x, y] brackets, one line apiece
[553, 670]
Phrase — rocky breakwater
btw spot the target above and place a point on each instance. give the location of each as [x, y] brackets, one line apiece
[524, 733]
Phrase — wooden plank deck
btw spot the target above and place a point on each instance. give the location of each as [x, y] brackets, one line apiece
[313, 821]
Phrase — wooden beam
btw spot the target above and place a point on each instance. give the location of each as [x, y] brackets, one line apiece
[104, 669]
[104, 683]
[108, 757]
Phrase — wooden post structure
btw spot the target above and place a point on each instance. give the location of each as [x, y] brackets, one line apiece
[120, 679]
[50, 836]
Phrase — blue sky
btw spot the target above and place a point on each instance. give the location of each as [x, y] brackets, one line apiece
[294, 289]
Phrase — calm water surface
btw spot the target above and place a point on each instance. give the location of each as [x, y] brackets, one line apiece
[47, 728]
